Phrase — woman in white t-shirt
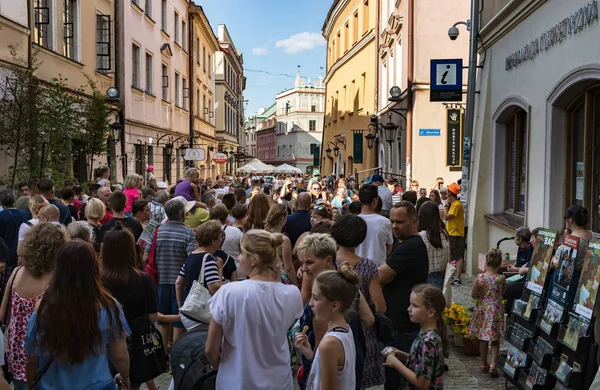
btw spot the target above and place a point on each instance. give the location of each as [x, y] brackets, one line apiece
[252, 318]
[334, 360]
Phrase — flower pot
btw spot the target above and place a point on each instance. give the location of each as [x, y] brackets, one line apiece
[470, 347]
[458, 340]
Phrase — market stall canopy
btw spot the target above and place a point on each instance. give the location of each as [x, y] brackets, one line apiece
[257, 166]
[285, 168]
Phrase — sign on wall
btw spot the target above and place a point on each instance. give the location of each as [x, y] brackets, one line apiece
[454, 137]
[358, 147]
[429, 132]
[446, 80]
[220, 158]
[194, 155]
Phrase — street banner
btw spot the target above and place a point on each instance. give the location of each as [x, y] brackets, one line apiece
[453, 137]
[358, 147]
[317, 156]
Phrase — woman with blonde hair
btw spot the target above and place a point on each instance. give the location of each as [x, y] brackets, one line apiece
[254, 347]
[133, 182]
[28, 285]
[36, 203]
[257, 212]
[188, 188]
[274, 223]
[95, 210]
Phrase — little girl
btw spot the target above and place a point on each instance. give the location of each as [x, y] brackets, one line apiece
[423, 367]
[132, 183]
[487, 323]
[333, 365]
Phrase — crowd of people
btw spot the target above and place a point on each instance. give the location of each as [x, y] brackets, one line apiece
[308, 278]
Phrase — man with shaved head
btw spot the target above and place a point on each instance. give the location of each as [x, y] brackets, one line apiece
[50, 214]
[298, 222]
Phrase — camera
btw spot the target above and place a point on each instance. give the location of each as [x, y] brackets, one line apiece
[453, 33]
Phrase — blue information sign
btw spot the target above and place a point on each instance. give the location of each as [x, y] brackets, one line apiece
[446, 80]
[429, 132]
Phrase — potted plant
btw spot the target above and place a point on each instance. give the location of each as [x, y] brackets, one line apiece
[470, 343]
[457, 318]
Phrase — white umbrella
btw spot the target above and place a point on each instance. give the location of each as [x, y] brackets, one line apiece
[248, 168]
[285, 168]
[261, 166]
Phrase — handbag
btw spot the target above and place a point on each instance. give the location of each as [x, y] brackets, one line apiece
[147, 358]
[151, 264]
[196, 304]
[383, 328]
[447, 291]
[7, 374]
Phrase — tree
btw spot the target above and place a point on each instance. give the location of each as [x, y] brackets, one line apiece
[20, 100]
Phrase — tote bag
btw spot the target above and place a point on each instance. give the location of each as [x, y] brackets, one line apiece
[147, 353]
[196, 304]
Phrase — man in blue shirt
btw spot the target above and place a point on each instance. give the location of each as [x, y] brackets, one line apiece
[46, 189]
[298, 222]
[10, 222]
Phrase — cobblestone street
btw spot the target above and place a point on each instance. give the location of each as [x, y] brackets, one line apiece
[464, 370]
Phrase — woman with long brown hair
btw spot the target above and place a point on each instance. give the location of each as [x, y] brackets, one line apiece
[28, 285]
[257, 212]
[434, 235]
[68, 351]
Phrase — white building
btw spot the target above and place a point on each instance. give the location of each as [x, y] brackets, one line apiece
[300, 116]
[535, 145]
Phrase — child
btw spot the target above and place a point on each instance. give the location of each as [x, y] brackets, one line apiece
[487, 323]
[423, 367]
[132, 183]
[334, 360]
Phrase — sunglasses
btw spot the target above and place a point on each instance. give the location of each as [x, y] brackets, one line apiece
[318, 208]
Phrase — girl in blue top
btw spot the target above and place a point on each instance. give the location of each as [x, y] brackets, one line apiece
[77, 329]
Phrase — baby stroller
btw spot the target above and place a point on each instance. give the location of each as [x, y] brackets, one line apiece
[190, 367]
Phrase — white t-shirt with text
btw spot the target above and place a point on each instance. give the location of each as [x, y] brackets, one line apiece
[379, 234]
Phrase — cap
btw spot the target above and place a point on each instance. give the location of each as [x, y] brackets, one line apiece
[375, 178]
[161, 185]
[189, 204]
[454, 188]
[316, 172]
[150, 168]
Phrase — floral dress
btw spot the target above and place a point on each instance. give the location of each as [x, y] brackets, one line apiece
[487, 323]
[426, 358]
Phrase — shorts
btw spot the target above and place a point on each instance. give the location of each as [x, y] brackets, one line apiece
[167, 302]
[457, 247]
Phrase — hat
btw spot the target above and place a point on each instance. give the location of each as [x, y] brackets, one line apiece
[161, 185]
[316, 172]
[375, 178]
[454, 188]
[150, 168]
[188, 204]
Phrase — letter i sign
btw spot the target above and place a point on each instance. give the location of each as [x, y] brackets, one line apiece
[446, 74]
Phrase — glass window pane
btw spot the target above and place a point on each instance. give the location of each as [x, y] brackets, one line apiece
[523, 160]
[512, 157]
[578, 190]
[595, 213]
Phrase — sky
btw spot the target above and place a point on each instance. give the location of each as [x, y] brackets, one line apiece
[275, 36]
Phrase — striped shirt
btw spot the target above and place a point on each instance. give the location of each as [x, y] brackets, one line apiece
[192, 267]
[173, 243]
[157, 212]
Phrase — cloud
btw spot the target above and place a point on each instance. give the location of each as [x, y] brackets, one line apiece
[260, 51]
[298, 43]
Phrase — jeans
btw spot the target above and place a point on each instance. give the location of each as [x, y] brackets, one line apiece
[436, 279]
[403, 340]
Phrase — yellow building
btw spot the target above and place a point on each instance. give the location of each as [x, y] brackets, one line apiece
[351, 84]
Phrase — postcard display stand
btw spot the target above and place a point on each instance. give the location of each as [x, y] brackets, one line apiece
[548, 345]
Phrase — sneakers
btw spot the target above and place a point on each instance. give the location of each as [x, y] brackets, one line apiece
[455, 282]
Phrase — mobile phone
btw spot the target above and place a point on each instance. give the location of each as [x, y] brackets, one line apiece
[386, 351]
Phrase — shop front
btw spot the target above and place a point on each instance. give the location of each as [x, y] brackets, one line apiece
[537, 133]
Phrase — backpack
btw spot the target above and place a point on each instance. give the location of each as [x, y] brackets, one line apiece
[189, 364]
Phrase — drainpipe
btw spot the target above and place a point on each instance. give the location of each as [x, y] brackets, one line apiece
[409, 97]
[31, 32]
[192, 80]
[377, 43]
[119, 84]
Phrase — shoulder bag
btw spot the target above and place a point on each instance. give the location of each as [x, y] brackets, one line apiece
[151, 264]
[196, 304]
[7, 374]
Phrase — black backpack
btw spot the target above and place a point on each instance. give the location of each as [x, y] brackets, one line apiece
[190, 366]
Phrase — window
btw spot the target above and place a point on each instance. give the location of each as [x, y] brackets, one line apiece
[148, 8]
[209, 66]
[177, 92]
[204, 58]
[176, 27]
[516, 162]
[103, 43]
[312, 148]
[136, 2]
[198, 51]
[163, 15]
[209, 108]
[135, 66]
[184, 35]
[139, 159]
[355, 27]
[198, 102]
[165, 83]
[313, 108]
[149, 67]
[204, 106]
[312, 125]
[42, 23]
[166, 166]
[346, 37]
[185, 92]
[365, 16]
[70, 29]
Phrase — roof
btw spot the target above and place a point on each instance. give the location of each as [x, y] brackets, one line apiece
[333, 5]
[270, 111]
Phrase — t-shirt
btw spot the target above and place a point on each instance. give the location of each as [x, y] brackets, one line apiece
[3, 251]
[129, 222]
[386, 198]
[456, 225]
[247, 311]
[229, 266]
[132, 195]
[197, 218]
[190, 271]
[24, 228]
[379, 234]
[10, 222]
[524, 255]
[231, 245]
[426, 358]
[137, 298]
[409, 259]
[93, 373]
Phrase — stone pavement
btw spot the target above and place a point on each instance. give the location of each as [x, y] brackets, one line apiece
[464, 370]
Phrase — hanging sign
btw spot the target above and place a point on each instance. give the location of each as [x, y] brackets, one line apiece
[220, 158]
[358, 147]
[454, 137]
[194, 155]
[446, 81]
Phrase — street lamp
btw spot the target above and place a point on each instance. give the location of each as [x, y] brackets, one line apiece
[169, 150]
[182, 150]
[370, 140]
[328, 152]
[389, 130]
[336, 151]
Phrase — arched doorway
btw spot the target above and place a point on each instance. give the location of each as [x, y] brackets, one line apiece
[340, 164]
[382, 158]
